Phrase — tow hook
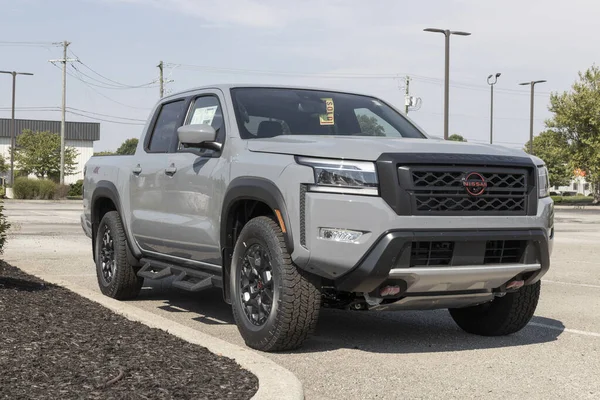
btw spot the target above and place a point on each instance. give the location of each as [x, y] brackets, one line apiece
[515, 285]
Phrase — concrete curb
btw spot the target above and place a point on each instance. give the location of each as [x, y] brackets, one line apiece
[275, 382]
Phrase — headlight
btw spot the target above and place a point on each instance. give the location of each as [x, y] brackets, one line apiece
[543, 182]
[342, 176]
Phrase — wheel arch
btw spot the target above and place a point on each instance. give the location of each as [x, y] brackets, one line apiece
[264, 198]
[106, 198]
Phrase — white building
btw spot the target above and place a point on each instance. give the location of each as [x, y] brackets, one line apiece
[80, 135]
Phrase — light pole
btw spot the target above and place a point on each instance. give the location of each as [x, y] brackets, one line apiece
[492, 83]
[13, 134]
[446, 33]
[532, 84]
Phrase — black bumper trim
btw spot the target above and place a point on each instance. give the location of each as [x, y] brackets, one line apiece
[375, 266]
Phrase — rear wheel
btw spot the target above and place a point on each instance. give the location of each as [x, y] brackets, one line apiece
[502, 316]
[116, 277]
[275, 304]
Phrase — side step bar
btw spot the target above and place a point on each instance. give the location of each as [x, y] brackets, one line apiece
[189, 279]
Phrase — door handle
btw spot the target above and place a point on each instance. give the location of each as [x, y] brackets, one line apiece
[137, 170]
[171, 170]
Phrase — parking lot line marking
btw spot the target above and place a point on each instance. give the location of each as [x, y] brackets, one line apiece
[558, 328]
[572, 284]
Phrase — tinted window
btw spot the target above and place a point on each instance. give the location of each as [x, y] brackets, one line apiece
[268, 112]
[166, 126]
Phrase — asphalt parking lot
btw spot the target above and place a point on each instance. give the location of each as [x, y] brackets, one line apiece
[381, 355]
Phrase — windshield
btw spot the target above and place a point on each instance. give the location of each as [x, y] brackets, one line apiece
[269, 112]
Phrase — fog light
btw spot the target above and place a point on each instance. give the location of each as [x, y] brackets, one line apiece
[339, 235]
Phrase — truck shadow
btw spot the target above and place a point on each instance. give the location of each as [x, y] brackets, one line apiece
[401, 332]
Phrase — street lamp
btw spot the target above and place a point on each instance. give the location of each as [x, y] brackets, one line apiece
[492, 83]
[13, 134]
[532, 84]
[447, 33]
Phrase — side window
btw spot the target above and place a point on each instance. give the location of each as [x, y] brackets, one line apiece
[166, 126]
[373, 125]
[207, 110]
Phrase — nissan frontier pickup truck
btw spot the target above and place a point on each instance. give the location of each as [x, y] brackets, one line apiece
[293, 199]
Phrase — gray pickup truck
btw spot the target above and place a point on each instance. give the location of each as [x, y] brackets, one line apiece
[295, 199]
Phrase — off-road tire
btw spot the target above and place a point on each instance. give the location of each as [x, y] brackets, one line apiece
[503, 316]
[125, 284]
[296, 293]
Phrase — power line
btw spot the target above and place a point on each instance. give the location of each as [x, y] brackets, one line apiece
[114, 83]
[426, 79]
[110, 99]
[106, 115]
[105, 120]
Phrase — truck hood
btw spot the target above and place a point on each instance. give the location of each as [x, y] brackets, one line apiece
[370, 148]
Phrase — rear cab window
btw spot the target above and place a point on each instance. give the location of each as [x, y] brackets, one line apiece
[165, 128]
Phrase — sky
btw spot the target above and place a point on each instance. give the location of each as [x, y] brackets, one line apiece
[355, 45]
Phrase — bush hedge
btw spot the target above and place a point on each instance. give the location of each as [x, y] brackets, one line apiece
[573, 199]
[4, 226]
[26, 188]
[76, 189]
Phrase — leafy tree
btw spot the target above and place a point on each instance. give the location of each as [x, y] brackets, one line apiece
[104, 153]
[554, 149]
[457, 138]
[370, 126]
[4, 166]
[128, 147]
[38, 153]
[576, 118]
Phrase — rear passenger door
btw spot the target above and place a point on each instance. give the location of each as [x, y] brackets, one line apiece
[148, 177]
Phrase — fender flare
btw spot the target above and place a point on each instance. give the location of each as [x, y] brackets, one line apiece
[107, 189]
[249, 188]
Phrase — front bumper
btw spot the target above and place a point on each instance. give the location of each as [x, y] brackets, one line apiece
[387, 262]
[362, 266]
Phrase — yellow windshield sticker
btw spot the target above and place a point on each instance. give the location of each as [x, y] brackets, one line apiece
[327, 119]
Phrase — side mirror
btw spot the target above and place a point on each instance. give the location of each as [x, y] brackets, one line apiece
[198, 135]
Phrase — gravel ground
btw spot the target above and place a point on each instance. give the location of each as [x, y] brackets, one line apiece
[55, 344]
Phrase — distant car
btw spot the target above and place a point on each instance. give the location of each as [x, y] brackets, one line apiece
[555, 193]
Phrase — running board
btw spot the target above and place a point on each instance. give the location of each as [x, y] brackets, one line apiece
[186, 278]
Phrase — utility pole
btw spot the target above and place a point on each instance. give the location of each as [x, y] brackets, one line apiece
[532, 84]
[161, 78]
[407, 95]
[13, 133]
[64, 61]
[447, 33]
[492, 83]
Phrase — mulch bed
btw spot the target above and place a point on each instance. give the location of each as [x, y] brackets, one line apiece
[55, 344]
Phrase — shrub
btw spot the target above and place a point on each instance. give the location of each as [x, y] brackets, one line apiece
[61, 192]
[46, 189]
[26, 188]
[76, 189]
[4, 226]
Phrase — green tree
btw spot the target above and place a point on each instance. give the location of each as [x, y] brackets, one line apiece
[554, 149]
[104, 153]
[128, 147]
[4, 166]
[576, 118]
[370, 126]
[457, 138]
[38, 153]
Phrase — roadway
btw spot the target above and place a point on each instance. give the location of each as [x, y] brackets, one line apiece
[381, 355]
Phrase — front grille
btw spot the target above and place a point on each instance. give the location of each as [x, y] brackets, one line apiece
[443, 190]
[504, 251]
[431, 253]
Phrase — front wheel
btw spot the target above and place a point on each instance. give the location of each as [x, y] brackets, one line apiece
[502, 316]
[275, 304]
